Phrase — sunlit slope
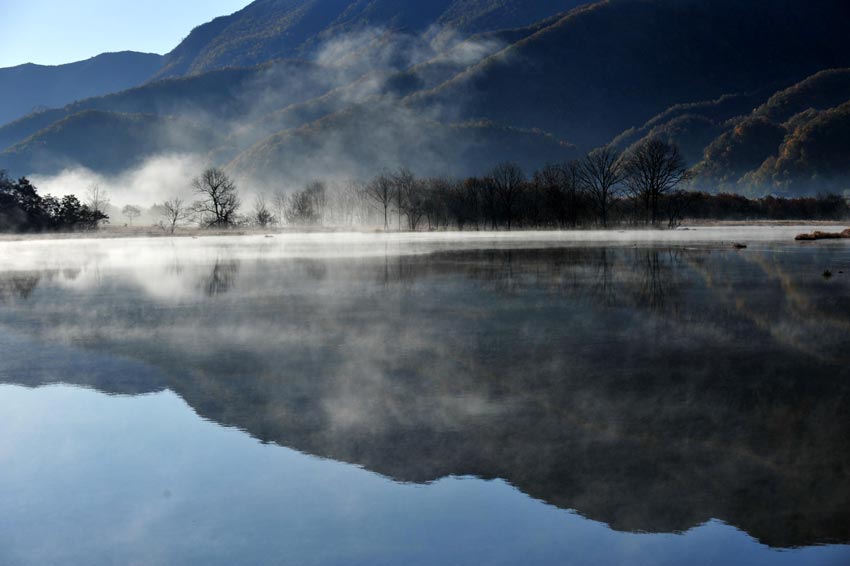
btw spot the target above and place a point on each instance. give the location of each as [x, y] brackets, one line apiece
[270, 29]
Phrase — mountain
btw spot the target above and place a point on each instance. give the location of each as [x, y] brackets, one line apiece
[38, 86]
[796, 142]
[106, 141]
[338, 88]
[615, 64]
[241, 107]
[274, 29]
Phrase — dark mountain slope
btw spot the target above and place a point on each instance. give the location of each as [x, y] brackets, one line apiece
[821, 91]
[270, 29]
[617, 63]
[692, 126]
[813, 158]
[223, 94]
[29, 87]
[797, 142]
[242, 106]
[107, 142]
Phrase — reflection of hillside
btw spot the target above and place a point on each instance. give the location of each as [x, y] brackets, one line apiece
[799, 308]
[614, 382]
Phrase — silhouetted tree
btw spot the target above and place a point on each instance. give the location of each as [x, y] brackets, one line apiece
[404, 186]
[560, 189]
[380, 190]
[653, 169]
[219, 199]
[601, 173]
[508, 182]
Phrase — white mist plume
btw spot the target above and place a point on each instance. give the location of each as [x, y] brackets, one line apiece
[158, 179]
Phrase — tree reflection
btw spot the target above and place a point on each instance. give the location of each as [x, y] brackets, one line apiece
[222, 277]
[18, 285]
[641, 387]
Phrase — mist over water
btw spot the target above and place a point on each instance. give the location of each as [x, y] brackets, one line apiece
[425, 399]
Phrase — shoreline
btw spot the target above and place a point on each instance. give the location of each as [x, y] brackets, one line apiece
[578, 234]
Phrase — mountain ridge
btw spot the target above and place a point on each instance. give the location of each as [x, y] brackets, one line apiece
[39, 86]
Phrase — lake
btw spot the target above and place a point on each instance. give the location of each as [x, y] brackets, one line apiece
[586, 399]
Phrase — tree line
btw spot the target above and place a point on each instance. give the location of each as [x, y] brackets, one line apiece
[22, 209]
[646, 186]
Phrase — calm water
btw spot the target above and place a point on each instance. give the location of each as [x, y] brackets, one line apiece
[368, 400]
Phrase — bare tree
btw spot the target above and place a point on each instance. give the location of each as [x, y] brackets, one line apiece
[508, 182]
[131, 212]
[97, 200]
[317, 192]
[279, 203]
[653, 169]
[262, 216]
[466, 202]
[346, 203]
[436, 194]
[380, 190]
[306, 207]
[404, 186]
[601, 173]
[219, 199]
[174, 212]
[561, 192]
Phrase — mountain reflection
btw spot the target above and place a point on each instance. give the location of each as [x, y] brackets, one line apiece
[651, 389]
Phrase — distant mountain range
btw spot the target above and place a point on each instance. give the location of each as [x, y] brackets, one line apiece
[30, 88]
[755, 93]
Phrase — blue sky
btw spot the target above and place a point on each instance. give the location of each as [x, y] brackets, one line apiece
[51, 32]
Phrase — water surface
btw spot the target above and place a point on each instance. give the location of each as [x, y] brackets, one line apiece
[425, 400]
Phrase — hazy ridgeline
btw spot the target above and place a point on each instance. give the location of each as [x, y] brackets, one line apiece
[644, 186]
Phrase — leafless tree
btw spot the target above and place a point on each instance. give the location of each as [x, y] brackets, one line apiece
[508, 182]
[306, 207]
[347, 203]
[131, 212]
[437, 192]
[601, 174]
[317, 192]
[380, 190]
[404, 187]
[411, 198]
[653, 169]
[262, 216]
[279, 204]
[561, 192]
[174, 212]
[219, 199]
[466, 202]
[97, 199]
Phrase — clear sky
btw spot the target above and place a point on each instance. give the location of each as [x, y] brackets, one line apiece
[51, 32]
